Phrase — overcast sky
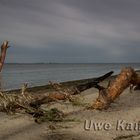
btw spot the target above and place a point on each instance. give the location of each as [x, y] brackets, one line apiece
[71, 30]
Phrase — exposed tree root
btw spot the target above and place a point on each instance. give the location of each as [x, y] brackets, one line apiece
[107, 95]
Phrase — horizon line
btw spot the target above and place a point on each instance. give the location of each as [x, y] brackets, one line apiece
[73, 63]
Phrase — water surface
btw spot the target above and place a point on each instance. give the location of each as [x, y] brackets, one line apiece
[14, 75]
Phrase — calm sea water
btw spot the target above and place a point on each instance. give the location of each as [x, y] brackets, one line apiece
[14, 75]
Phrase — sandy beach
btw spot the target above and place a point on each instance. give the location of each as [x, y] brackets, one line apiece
[119, 122]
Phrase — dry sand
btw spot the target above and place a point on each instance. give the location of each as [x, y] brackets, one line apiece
[127, 107]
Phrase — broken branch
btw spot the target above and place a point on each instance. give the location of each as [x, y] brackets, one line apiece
[3, 54]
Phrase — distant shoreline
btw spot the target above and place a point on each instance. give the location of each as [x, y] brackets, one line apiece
[76, 63]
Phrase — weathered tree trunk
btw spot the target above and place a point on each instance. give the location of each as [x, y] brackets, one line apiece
[63, 93]
[3, 54]
[107, 95]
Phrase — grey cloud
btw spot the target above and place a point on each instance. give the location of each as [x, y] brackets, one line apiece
[71, 30]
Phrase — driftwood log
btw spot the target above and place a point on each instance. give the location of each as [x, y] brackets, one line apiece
[107, 95]
[4, 47]
[27, 101]
[62, 93]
